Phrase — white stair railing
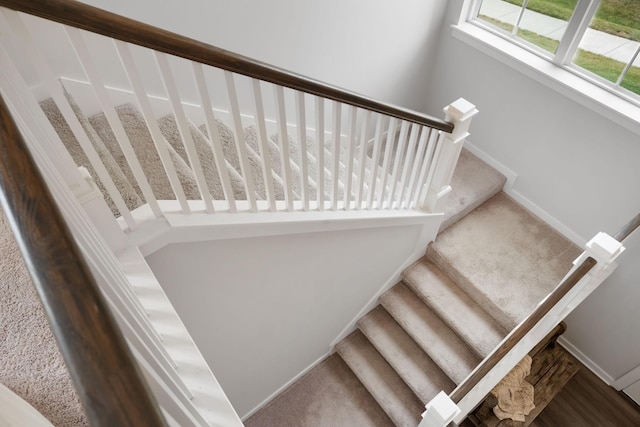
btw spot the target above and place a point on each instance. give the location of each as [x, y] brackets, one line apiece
[81, 203]
[360, 159]
[590, 269]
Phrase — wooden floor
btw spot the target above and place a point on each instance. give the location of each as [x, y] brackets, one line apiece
[586, 401]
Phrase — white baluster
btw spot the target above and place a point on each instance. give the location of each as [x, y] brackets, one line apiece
[320, 144]
[302, 143]
[411, 188]
[375, 162]
[45, 74]
[336, 155]
[284, 147]
[263, 142]
[391, 133]
[147, 112]
[184, 130]
[364, 143]
[348, 171]
[241, 144]
[112, 116]
[435, 145]
[460, 113]
[404, 129]
[408, 162]
[214, 136]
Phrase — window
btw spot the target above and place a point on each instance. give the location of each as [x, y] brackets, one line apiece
[598, 39]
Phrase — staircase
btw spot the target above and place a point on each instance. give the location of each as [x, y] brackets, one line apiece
[491, 264]
[489, 267]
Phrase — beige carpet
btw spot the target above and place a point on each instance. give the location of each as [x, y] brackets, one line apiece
[30, 363]
[507, 259]
[328, 396]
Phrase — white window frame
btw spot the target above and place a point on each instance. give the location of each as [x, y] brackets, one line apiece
[615, 102]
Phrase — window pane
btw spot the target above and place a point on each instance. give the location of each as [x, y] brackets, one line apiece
[631, 80]
[501, 13]
[611, 42]
[542, 22]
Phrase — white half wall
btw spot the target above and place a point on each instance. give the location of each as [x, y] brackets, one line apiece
[578, 167]
[262, 310]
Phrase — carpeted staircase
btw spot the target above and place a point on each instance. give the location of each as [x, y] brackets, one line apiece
[491, 264]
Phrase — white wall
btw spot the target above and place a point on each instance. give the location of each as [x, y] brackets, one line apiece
[576, 165]
[378, 48]
[261, 310]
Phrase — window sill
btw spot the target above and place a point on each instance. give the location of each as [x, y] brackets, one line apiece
[575, 87]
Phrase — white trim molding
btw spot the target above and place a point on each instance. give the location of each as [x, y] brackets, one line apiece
[585, 360]
[627, 379]
[563, 80]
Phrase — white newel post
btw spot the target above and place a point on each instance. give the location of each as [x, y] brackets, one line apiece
[459, 113]
[440, 411]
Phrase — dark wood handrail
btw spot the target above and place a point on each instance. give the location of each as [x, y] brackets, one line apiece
[109, 384]
[80, 15]
[521, 330]
[627, 229]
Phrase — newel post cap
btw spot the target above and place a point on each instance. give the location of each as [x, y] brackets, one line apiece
[604, 247]
[461, 110]
[441, 410]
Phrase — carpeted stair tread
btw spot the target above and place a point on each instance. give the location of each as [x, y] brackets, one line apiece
[384, 384]
[473, 183]
[294, 160]
[441, 343]
[251, 137]
[455, 307]
[413, 365]
[313, 148]
[504, 257]
[329, 395]
[230, 150]
[169, 129]
[368, 171]
[145, 150]
[78, 155]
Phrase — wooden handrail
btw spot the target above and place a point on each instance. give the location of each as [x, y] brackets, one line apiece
[628, 228]
[80, 15]
[521, 330]
[109, 384]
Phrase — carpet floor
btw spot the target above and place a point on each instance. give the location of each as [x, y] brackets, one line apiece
[30, 362]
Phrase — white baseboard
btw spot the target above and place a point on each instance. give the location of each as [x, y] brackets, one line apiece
[627, 379]
[548, 218]
[509, 188]
[585, 360]
[285, 386]
[510, 174]
[427, 236]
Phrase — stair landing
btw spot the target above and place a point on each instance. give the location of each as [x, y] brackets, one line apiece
[329, 395]
[504, 257]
